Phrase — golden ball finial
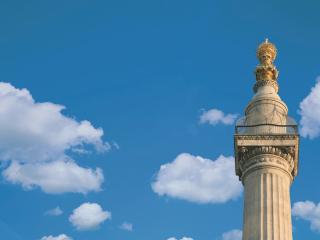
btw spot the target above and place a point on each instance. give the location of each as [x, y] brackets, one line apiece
[266, 52]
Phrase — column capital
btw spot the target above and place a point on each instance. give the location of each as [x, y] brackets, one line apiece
[256, 151]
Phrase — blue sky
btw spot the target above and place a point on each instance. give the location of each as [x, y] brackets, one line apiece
[144, 72]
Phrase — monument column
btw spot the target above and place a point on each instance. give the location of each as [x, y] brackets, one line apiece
[266, 154]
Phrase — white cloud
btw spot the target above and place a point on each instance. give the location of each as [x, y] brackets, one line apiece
[37, 136]
[308, 211]
[197, 179]
[215, 116]
[184, 238]
[127, 226]
[88, 216]
[54, 212]
[310, 113]
[232, 235]
[60, 237]
[55, 177]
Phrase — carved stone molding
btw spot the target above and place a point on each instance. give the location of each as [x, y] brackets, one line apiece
[265, 162]
[281, 156]
[284, 147]
[268, 137]
[245, 153]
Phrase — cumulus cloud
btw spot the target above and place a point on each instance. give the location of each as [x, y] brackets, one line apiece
[36, 137]
[55, 177]
[197, 179]
[60, 237]
[308, 211]
[232, 235]
[88, 216]
[126, 226]
[215, 116]
[310, 113]
[184, 238]
[54, 212]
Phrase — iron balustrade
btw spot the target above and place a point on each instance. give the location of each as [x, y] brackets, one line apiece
[266, 129]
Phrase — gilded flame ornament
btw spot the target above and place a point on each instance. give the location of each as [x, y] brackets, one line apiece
[266, 73]
[266, 53]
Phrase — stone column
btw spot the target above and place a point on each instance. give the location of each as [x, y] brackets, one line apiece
[266, 155]
[267, 211]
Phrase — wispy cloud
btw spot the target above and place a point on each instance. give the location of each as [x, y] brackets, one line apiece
[54, 212]
[60, 237]
[126, 226]
[115, 145]
[215, 116]
[234, 234]
[183, 238]
[198, 179]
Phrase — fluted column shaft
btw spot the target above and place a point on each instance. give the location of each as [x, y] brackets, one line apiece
[267, 210]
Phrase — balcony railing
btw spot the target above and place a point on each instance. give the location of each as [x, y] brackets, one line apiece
[266, 129]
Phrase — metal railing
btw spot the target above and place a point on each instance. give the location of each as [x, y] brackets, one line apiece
[266, 129]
